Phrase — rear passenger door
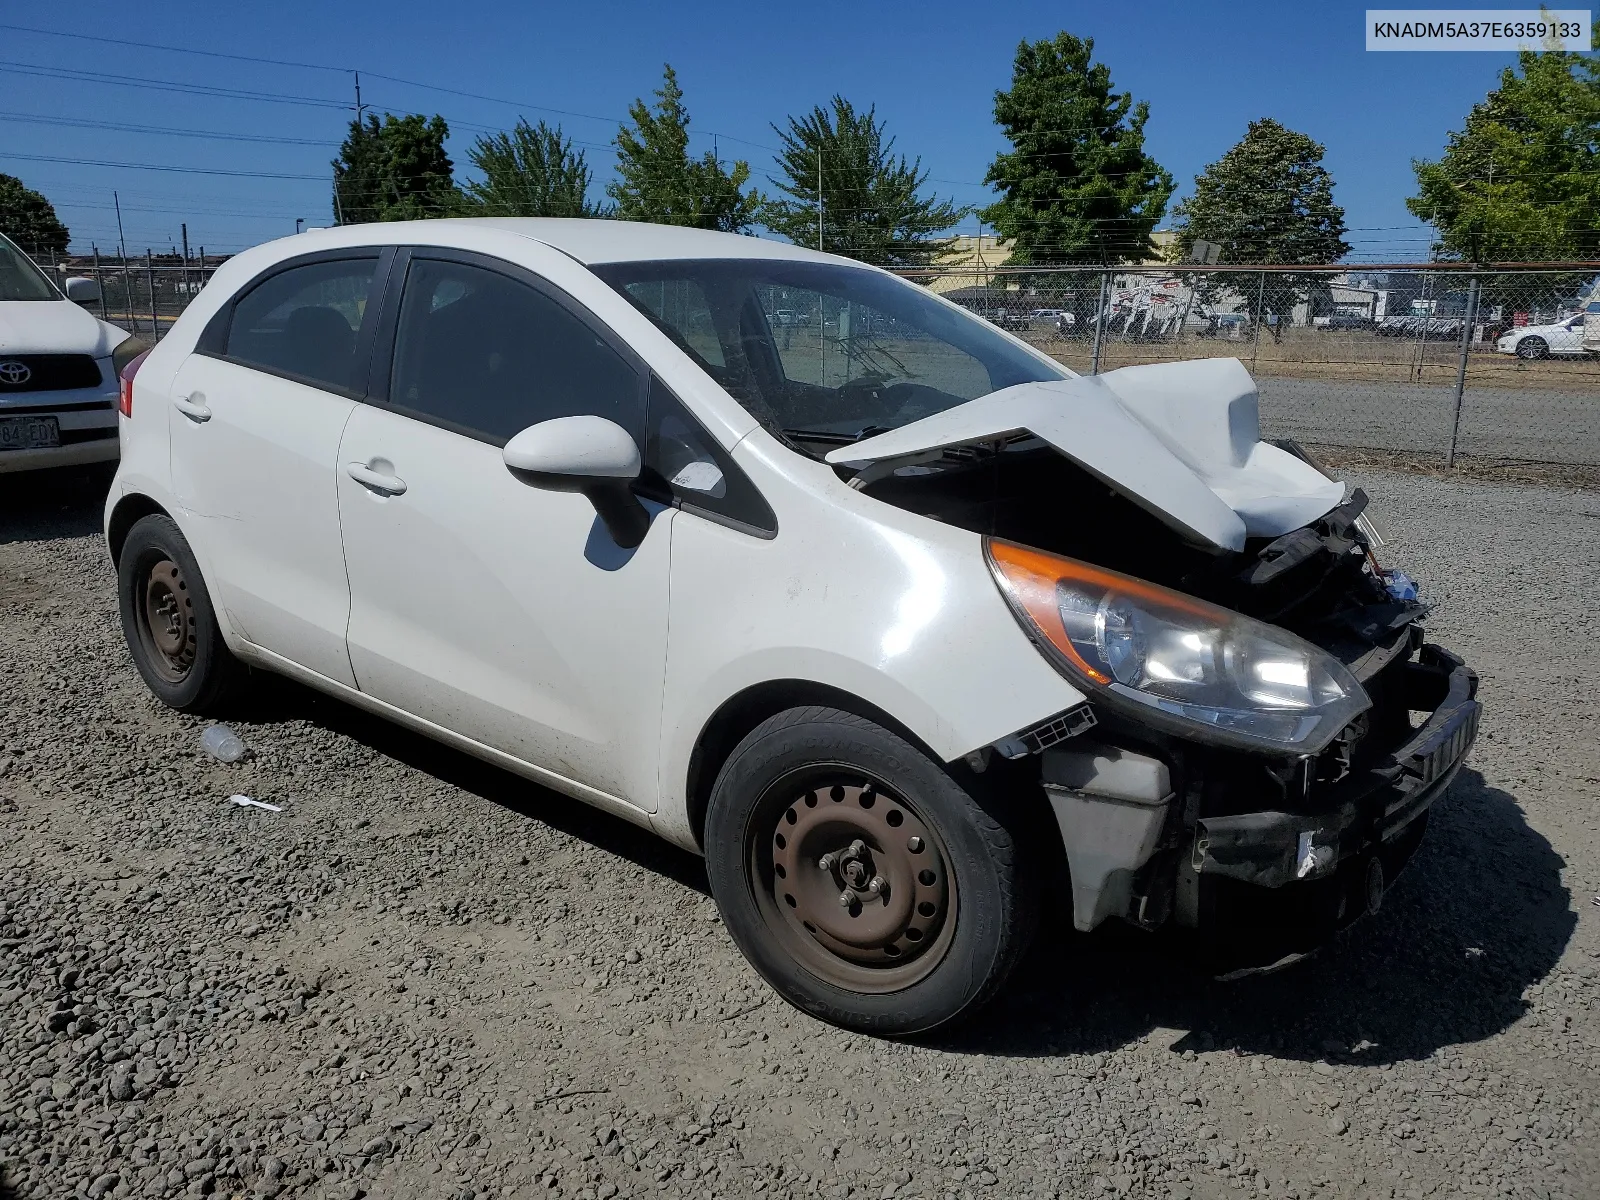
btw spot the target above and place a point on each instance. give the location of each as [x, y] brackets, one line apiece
[260, 407]
[479, 603]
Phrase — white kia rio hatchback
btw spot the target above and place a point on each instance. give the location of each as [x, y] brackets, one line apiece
[900, 624]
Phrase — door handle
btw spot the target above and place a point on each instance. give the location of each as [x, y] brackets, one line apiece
[376, 481]
[193, 406]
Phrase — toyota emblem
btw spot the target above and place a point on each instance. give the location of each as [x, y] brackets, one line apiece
[14, 373]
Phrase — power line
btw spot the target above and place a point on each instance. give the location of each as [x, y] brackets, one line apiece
[100, 162]
[166, 85]
[117, 127]
[121, 42]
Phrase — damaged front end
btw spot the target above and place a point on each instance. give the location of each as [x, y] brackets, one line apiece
[1266, 725]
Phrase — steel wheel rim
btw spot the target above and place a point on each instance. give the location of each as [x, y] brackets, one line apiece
[839, 885]
[167, 626]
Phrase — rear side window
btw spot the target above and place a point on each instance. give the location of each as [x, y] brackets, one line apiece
[486, 355]
[303, 322]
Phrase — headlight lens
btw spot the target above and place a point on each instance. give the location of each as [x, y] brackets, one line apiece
[1243, 682]
[126, 352]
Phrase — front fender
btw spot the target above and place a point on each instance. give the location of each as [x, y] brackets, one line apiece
[894, 609]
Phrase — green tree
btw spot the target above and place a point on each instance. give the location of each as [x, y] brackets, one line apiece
[1077, 185]
[658, 181]
[1521, 180]
[394, 170]
[871, 202]
[1267, 200]
[533, 171]
[30, 220]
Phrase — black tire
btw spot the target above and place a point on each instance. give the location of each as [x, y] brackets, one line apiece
[1532, 348]
[169, 623]
[955, 913]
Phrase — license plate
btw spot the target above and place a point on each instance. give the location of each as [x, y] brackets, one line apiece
[29, 433]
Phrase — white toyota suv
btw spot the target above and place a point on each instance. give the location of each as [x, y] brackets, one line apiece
[898, 622]
[58, 372]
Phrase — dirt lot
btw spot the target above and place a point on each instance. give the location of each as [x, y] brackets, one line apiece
[426, 978]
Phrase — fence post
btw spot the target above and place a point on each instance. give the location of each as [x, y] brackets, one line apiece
[1099, 321]
[1261, 317]
[150, 281]
[1461, 367]
[1424, 324]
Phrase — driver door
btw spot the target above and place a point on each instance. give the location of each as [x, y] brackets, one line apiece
[478, 603]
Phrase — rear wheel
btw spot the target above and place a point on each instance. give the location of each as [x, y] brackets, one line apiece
[859, 878]
[168, 621]
[1532, 347]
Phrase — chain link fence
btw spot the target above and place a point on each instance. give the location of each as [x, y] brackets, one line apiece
[1412, 360]
[142, 295]
[1497, 365]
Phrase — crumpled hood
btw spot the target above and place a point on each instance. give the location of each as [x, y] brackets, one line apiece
[54, 327]
[1183, 440]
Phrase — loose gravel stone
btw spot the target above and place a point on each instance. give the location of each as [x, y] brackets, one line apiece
[426, 978]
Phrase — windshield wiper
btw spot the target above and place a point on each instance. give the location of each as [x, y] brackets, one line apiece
[834, 438]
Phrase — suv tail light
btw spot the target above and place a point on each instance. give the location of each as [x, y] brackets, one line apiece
[125, 384]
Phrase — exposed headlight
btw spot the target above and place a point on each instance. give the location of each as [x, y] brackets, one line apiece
[1176, 661]
[125, 353]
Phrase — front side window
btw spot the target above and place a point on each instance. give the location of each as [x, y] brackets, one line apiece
[19, 278]
[487, 355]
[821, 352]
[303, 322]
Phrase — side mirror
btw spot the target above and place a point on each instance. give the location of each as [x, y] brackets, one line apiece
[590, 455]
[83, 290]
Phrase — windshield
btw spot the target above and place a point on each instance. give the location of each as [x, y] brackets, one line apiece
[821, 352]
[19, 278]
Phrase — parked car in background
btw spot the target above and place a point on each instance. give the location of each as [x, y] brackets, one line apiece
[901, 634]
[1564, 337]
[58, 370]
[1346, 323]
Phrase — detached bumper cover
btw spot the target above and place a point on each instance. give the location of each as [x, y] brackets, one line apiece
[1361, 814]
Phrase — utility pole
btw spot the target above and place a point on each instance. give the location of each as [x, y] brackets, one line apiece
[359, 106]
[185, 228]
[122, 251]
[819, 197]
[122, 245]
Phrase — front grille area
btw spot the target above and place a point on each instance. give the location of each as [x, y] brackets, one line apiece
[47, 373]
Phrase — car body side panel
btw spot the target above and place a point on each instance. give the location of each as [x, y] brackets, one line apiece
[896, 609]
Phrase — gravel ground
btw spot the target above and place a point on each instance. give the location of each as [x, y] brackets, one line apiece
[426, 978]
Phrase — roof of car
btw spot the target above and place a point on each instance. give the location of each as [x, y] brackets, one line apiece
[593, 241]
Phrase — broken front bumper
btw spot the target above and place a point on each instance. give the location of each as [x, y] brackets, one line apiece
[1134, 853]
[1365, 812]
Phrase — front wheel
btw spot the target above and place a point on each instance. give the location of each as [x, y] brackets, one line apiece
[861, 880]
[1532, 347]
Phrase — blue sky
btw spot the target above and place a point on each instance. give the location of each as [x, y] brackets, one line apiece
[930, 67]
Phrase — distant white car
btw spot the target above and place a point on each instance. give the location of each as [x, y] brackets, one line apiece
[58, 372]
[1565, 337]
[900, 628]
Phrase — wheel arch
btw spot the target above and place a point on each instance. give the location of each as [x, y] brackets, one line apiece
[129, 510]
[741, 713]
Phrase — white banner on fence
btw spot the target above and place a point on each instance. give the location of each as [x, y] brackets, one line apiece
[1497, 29]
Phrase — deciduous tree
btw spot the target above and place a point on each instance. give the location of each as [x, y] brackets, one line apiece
[30, 220]
[533, 171]
[395, 169]
[1521, 180]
